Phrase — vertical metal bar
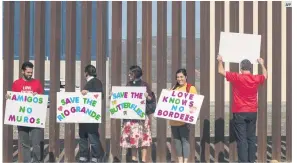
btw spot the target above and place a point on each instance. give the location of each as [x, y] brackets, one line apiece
[262, 96]
[147, 41]
[131, 34]
[70, 75]
[101, 51]
[116, 71]
[24, 33]
[176, 52]
[147, 51]
[190, 50]
[176, 38]
[86, 29]
[40, 49]
[39, 41]
[219, 87]
[54, 128]
[161, 75]
[24, 45]
[234, 27]
[8, 64]
[204, 81]
[289, 87]
[248, 18]
[276, 79]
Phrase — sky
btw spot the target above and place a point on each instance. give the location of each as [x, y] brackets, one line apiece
[94, 10]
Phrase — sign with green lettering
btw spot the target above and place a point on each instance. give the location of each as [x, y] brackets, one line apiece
[73, 107]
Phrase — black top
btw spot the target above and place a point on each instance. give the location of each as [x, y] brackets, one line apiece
[94, 85]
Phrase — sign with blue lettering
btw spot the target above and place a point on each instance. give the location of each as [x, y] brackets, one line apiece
[73, 107]
[179, 106]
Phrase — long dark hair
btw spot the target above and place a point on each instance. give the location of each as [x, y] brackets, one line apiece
[184, 72]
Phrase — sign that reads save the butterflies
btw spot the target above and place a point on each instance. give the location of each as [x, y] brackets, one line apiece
[73, 107]
[128, 103]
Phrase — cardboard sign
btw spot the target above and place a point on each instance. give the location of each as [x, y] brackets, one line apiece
[128, 103]
[24, 109]
[179, 106]
[235, 47]
[73, 107]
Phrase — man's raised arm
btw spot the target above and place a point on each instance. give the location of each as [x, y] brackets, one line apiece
[221, 68]
[264, 70]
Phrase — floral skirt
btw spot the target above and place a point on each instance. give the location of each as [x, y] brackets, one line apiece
[136, 133]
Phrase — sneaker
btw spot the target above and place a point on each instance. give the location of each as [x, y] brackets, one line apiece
[94, 160]
[83, 160]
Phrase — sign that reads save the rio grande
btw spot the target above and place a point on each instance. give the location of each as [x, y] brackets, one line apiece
[24, 109]
[73, 107]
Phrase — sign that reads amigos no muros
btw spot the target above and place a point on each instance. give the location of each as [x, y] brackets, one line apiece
[24, 109]
[128, 103]
[179, 106]
[73, 107]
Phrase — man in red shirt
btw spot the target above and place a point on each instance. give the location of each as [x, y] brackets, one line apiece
[245, 105]
[27, 84]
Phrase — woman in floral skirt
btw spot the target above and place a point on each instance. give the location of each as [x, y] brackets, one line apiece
[137, 133]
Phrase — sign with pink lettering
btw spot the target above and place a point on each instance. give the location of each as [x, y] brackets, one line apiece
[25, 109]
[128, 103]
[179, 106]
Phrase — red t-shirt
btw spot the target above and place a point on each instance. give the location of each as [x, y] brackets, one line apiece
[24, 86]
[245, 91]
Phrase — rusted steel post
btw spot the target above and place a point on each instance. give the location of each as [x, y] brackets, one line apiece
[204, 81]
[8, 64]
[54, 127]
[70, 75]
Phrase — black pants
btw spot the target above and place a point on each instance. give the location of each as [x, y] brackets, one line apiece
[89, 131]
[245, 133]
[25, 134]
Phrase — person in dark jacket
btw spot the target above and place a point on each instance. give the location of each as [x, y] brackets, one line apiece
[90, 130]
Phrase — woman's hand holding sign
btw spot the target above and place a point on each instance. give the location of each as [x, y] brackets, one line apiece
[147, 96]
[193, 109]
[84, 92]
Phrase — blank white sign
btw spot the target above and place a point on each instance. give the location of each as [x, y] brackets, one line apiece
[235, 47]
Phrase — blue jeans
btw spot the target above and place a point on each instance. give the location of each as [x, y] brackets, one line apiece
[89, 131]
[24, 137]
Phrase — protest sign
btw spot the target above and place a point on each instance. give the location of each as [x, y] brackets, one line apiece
[24, 109]
[179, 106]
[235, 47]
[128, 103]
[73, 107]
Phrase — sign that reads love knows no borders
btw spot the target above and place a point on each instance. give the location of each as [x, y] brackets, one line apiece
[128, 103]
[73, 107]
[24, 109]
[179, 106]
